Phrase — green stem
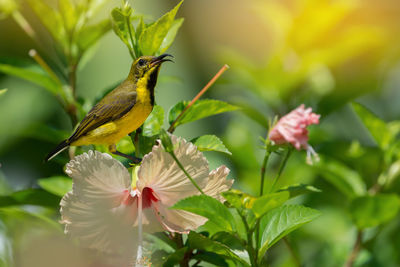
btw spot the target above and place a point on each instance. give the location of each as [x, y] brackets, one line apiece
[263, 170]
[281, 168]
[186, 173]
[131, 51]
[355, 251]
[249, 245]
[292, 252]
[21, 21]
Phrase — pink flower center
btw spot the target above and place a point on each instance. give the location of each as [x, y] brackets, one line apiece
[148, 197]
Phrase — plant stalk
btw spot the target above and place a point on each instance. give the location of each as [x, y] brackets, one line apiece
[281, 168]
[186, 173]
[355, 251]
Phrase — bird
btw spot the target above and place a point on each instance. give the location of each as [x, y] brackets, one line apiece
[121, 111]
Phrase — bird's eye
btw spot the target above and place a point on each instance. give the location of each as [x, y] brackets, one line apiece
[141, 62]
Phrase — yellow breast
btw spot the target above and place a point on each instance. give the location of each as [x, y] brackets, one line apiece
[110, 133]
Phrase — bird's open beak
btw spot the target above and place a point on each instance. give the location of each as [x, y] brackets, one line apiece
[160, 59]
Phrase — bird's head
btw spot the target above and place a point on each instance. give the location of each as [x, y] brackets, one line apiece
[148, 66]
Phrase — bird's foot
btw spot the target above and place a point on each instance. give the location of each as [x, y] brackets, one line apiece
[134, 160]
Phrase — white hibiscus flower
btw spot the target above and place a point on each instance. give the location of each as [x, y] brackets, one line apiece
[102, 208]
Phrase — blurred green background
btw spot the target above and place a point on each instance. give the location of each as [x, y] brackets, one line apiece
[323, 53]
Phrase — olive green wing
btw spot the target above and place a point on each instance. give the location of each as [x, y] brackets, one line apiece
[110, 108]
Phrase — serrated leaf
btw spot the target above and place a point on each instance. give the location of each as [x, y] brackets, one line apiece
[40, 79]
[200, 242]
[122, 25]
[265, 203]
[30, 197]
[91, 34]
[50, 18]
[238, 199]
[282, 221]
[257, 205]
[199, 110]
[57, 185]
[153, 36]
[377, 127]
[154, 122]
[210, 143]
[170, 37]
[3, 91]
[370, 211]
[209, 208]
[348, 181]
[299, 189]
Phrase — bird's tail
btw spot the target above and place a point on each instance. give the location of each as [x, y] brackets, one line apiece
[57, 150]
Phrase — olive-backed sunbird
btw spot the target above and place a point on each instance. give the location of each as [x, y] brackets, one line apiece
[121, 111]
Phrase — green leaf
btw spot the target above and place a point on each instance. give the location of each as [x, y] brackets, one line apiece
[153, 124]
[200, 242]
[57, 185]
[50, 18]
[370, 211]
[122, 25]
[348, 181]
[170, 37]
[258, 205]
[199, 110]
[212, 258]
[176, 257]
[377, 127]
[30, 197]
[91, 34]
[238, 199]
[3, 91]
[68, 14]
[40, 79]
[282, 221]
[209, 208]
[265, 203]
[152, 37]
[300, 189]
[210, 143]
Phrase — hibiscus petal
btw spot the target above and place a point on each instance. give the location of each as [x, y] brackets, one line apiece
[217, 183]
[160, 172]
[177, 220]
[97, 176]
[96, 227]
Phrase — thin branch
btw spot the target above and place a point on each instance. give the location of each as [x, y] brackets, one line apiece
[171, 128]
[35, 55]
[186, 173]
[356, 249]
[292, 252]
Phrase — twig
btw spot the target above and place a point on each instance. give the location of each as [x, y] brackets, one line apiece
[356, 249]
[292, 252]
[186, 173]
[35, 55]
[171, 128]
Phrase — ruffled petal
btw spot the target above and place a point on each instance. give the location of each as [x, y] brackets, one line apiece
[97, 227]
[217, 183]
[160, 172]
[99, 177]
[177, 220]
